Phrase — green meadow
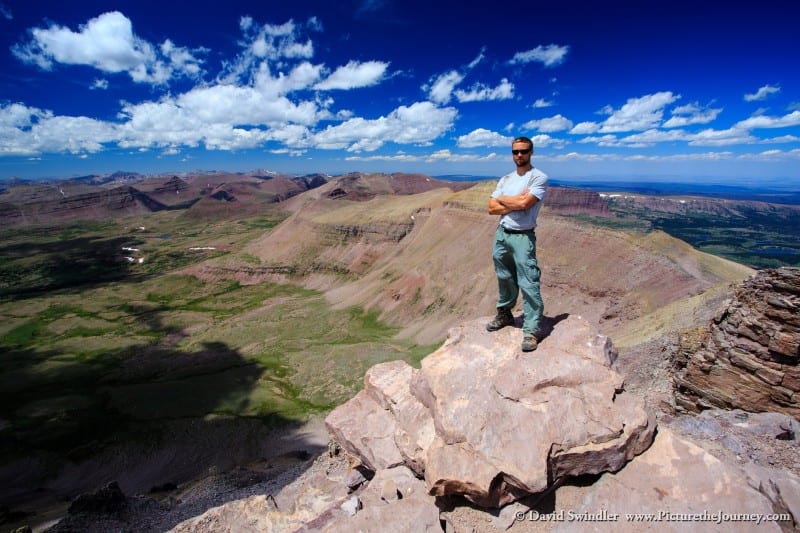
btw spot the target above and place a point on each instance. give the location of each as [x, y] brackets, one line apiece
[96, 347]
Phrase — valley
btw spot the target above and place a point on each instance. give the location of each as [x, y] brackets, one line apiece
[251, 312]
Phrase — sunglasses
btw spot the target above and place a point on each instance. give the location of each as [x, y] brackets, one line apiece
[517, 152]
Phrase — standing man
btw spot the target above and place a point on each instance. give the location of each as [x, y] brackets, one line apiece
[518, 199]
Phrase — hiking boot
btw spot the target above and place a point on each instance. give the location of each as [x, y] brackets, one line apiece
[502, 319]
[529, 343]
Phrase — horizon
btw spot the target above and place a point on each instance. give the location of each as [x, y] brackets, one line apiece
[382, 86]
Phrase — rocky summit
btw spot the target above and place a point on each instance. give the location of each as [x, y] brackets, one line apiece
[747, 358]
[482, 420]
[485, 438]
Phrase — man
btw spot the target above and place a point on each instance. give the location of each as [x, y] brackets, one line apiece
[518, 199]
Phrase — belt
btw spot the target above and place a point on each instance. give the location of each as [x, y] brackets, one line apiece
[515, 231]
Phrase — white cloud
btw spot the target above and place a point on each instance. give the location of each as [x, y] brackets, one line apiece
[31, 131]
[550, 55]
[638, 113]
[650, 137]
[268, 42]
[584, 128]
[181, 58]
[99, 83]
[419, 123]
[398, 158]
[549, 125]
[274, 42]
[601, 140]
[354, 75]
[301, 77]
[762, 121]
[542, 140]
[762, 93]
[441, 89]
[480, 92]
[449, 157]
[108, 44]
[483, 137]
[730, 136]
[688, 114]
[474, 63]
[781, 140]
[541, 102]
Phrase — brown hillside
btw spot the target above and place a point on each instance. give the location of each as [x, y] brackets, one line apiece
[32, 204]
[424, 260]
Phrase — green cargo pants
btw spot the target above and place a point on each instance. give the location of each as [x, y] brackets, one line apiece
[515, 264]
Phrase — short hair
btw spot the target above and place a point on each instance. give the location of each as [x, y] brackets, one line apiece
[523, 140]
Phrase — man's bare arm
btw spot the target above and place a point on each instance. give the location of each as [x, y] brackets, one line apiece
[496, 208]
[518, 202]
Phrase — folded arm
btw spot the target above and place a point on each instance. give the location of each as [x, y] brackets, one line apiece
[506, 204]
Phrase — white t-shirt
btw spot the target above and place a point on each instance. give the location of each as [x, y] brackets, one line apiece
[533, 181]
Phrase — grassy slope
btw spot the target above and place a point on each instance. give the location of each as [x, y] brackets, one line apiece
[149, 344]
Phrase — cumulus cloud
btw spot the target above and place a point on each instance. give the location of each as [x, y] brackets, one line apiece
[550, 55]
[650, 137]
[727, 137]
[108, 44]
[31, 131]
[762, 93]
[541, 102]
[638, 113]
[449, 157]
[419, 123]
[763, 121]
[585, 128]
[354, 75]
[693, 113]
[480, 92]
[550, 124]
[249, 104]
[483, 137]
[441, 88]
[270, 43]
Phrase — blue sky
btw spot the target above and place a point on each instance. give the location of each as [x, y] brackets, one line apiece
[647, 90]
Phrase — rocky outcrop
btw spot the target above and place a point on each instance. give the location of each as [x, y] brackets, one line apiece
[482, 420]
[570, 201]
[748, 357]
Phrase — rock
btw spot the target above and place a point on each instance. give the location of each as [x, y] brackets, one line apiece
[415, 512]
[483, 420]
[317, 495]
[748, 357]
[351, 506]
[354, 479]
[678, 486]
[366, 427]
[108, 499]
[508, 515]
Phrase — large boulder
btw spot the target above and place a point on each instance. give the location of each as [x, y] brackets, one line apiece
[484, 420]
